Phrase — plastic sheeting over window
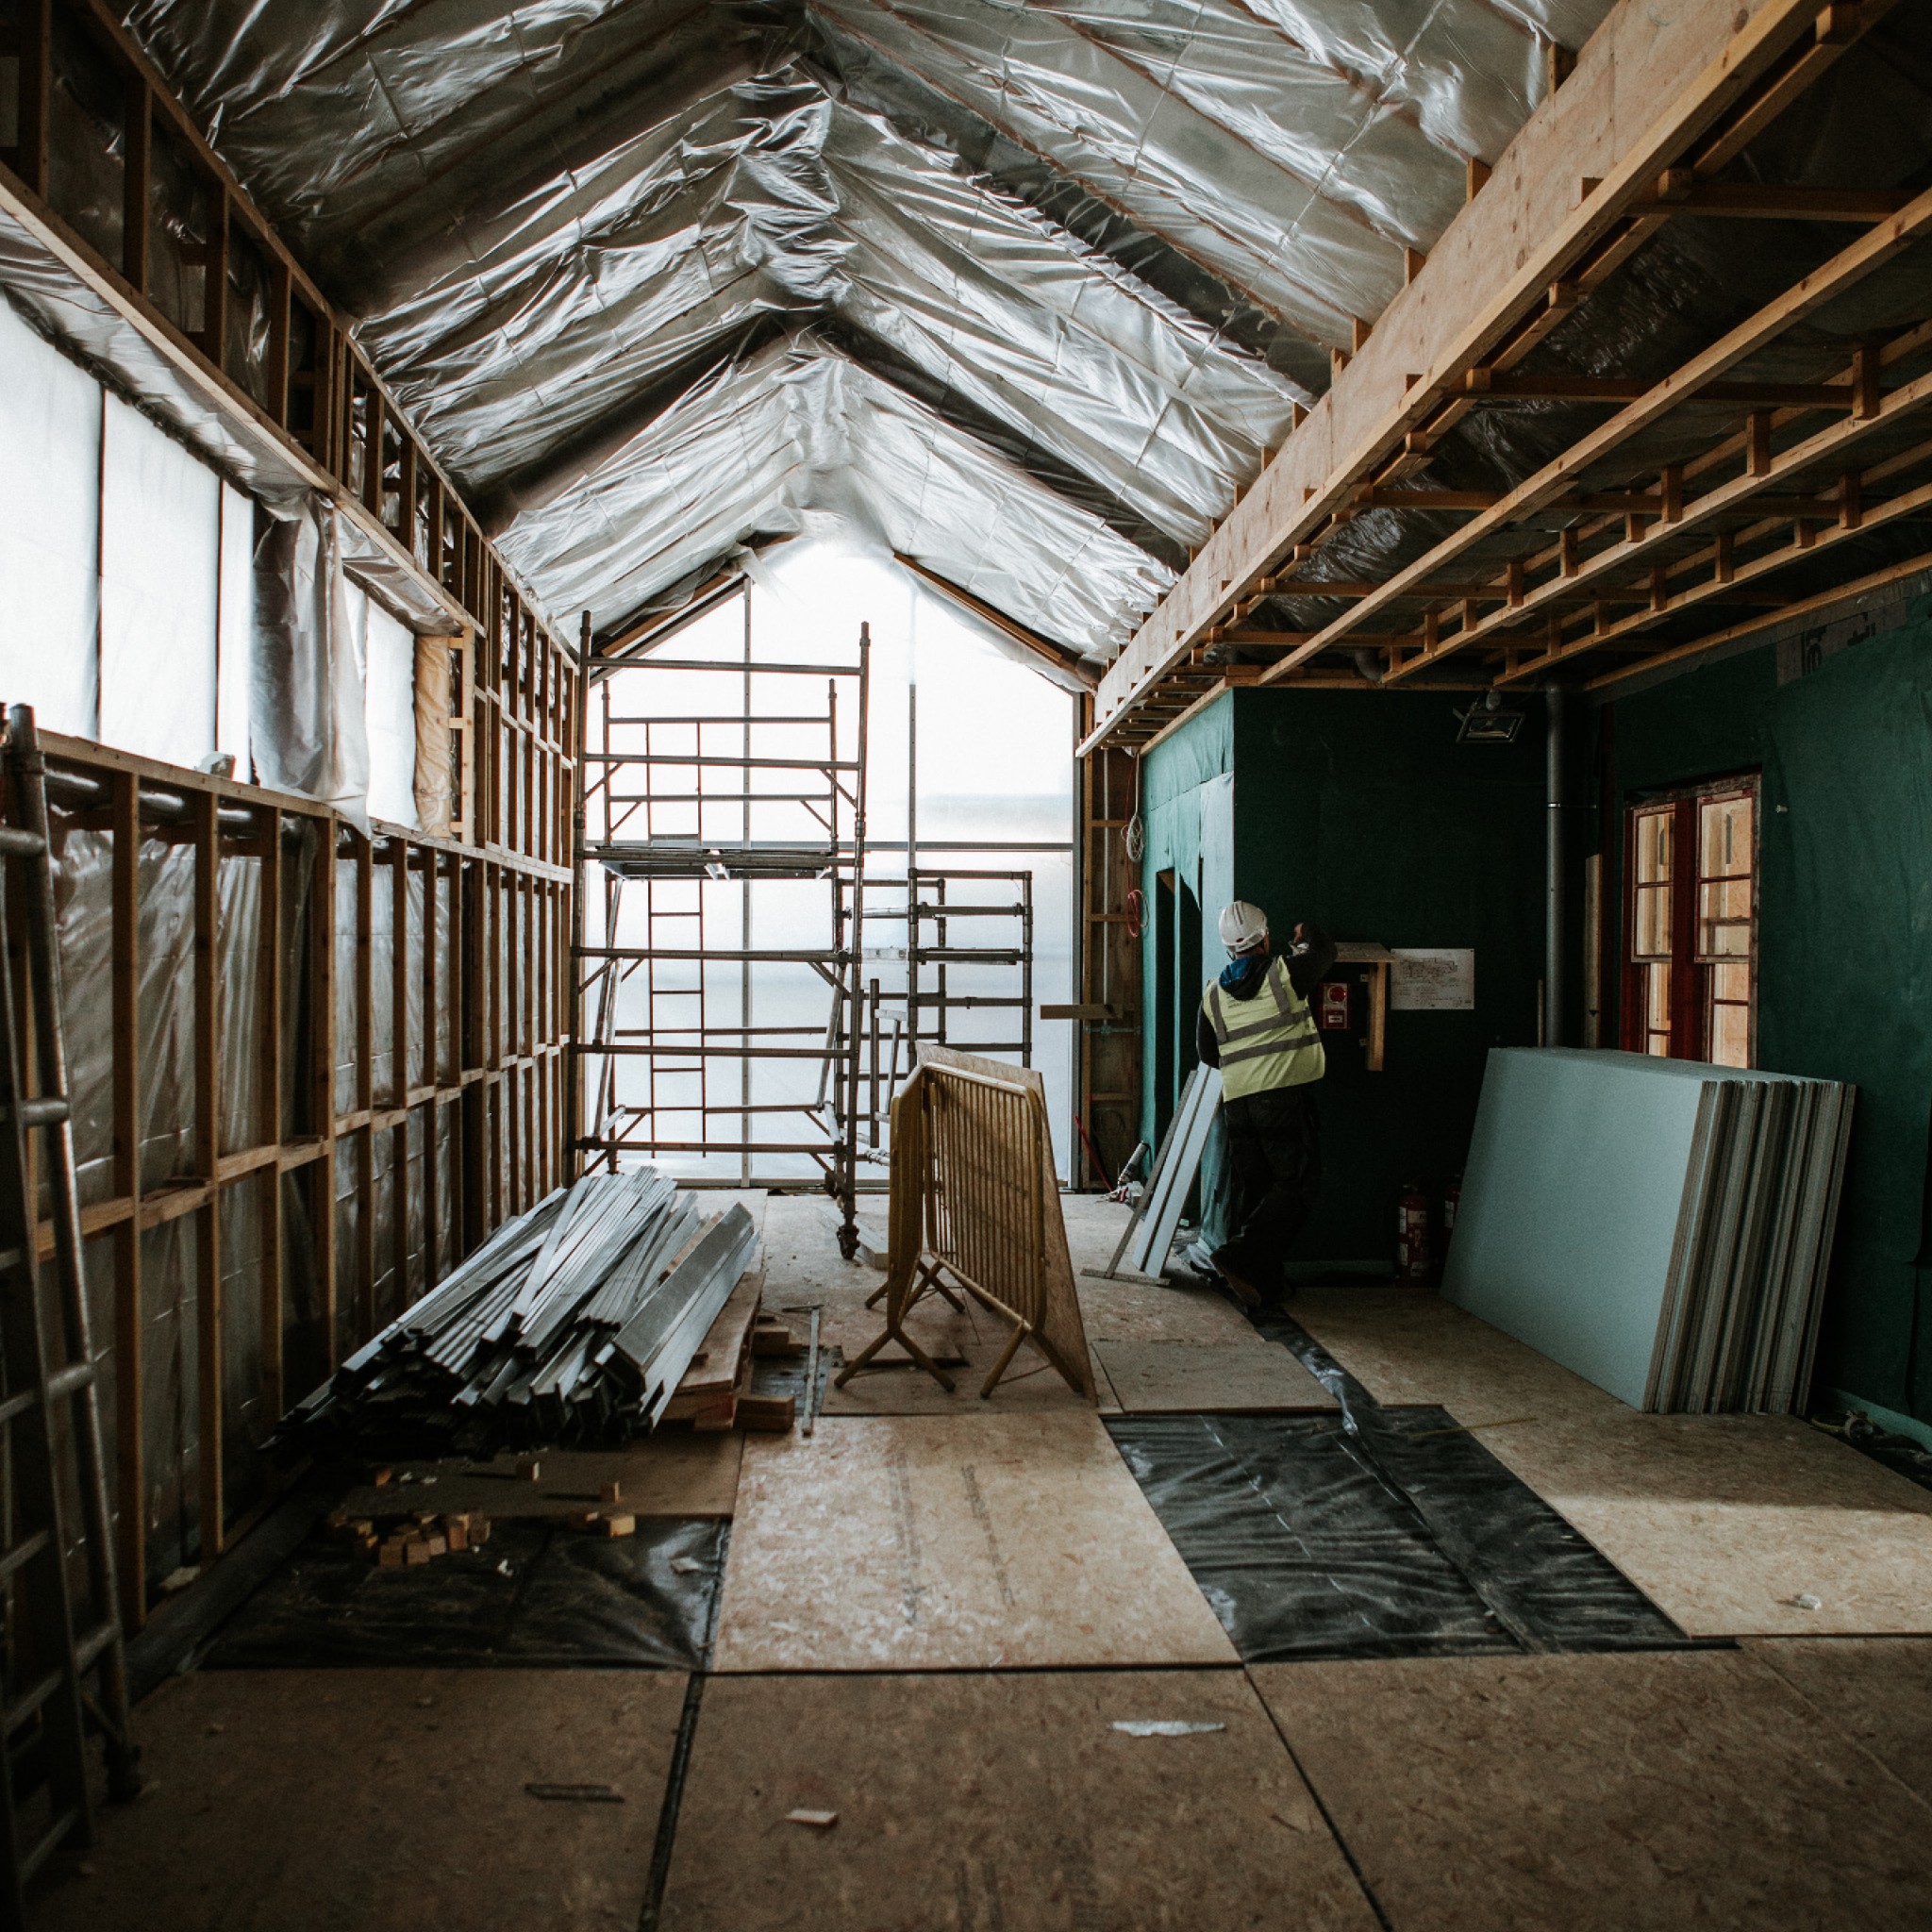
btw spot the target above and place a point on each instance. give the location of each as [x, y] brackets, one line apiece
[50, 489]
[161, 550]
[601, 250]
[389, 701]
[306, 712]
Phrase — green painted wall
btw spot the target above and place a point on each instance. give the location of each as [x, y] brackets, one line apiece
[1361, 811]
[1844, 928]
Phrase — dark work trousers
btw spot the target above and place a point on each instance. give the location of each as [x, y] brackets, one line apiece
[1275, 1148]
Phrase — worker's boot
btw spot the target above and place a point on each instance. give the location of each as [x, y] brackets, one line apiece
[1246, 1282]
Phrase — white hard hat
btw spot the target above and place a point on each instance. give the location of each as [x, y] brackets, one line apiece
[1242, 927]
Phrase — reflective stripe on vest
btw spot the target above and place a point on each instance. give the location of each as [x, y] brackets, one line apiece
[1268, 1041]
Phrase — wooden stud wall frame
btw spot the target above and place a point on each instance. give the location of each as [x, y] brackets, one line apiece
[315, 399]
[400, 1085]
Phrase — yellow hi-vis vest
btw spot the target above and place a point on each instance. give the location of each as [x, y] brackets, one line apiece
[1267, 1042]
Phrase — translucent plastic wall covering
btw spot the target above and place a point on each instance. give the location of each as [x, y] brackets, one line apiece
[161, 581]
[169, 1106]
[170, 1375]
[246, 1416]
[589, 243]
[243, 1119]
[83, 903]
[50, 480]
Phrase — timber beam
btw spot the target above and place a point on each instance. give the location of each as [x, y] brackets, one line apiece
[1577, 195]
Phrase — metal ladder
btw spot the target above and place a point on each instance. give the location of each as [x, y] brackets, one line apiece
[48, 1405]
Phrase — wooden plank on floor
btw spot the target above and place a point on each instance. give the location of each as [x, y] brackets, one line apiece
[953, 1542]
[675, 1472]
[313, 1800]
[1610, 1793]
[716, 1367]
[981, 1802]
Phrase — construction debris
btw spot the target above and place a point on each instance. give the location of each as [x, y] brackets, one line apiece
[413, 1537]
[572, 1322]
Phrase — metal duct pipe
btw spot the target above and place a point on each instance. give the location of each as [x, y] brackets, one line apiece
[1556, 991]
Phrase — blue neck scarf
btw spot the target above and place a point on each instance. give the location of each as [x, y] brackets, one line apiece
[1241, 977]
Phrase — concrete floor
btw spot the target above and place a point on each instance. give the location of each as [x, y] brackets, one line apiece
[939, 1618]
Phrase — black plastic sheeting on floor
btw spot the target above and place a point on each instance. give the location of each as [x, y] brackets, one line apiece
[539, 1594]
[784, 1375]
[1380, 1532]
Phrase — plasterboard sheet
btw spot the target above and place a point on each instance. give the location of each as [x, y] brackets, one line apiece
[1570, 1207]
[943, 1543]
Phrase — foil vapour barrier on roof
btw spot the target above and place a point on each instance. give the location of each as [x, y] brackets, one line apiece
[1057, 273]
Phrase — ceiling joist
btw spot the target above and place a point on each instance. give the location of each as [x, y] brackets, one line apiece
[1578, 193]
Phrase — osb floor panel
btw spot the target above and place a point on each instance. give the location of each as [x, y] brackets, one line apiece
[966, 1346]
[989, 1802]
[1669, 1790]
[969, 1542]
[1877, 1689]
[803, 1269]
[1150, 1377]
[1139, 1311]
[1728, 1524]
[297, 1801]
[676, 1472]
[803, 1266]
[1407, 1346]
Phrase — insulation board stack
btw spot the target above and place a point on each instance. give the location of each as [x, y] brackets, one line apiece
[1662, 1228]
[572, 1322]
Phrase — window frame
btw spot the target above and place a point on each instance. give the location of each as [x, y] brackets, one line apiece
[1691, 973]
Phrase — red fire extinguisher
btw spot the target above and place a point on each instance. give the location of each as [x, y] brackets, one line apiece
[1452, 1200]
[1412, 1235]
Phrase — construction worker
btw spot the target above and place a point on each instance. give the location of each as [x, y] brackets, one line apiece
[1256, 1026]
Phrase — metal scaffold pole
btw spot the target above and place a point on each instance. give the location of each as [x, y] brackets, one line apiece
[746, 792]
[854, 978]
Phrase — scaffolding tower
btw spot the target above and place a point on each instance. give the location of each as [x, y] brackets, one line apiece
[675, 808]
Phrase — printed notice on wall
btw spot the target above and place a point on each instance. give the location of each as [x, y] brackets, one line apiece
[1431, 979]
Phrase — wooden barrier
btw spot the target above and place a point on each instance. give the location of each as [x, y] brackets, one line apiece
[975, 1209]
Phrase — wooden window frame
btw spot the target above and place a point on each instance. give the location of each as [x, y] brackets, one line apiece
[1692, 972]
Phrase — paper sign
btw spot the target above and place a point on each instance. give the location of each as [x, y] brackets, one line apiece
[1431, 979]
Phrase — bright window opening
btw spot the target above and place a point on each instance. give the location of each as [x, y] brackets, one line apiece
[1691, 981]
[969, 760]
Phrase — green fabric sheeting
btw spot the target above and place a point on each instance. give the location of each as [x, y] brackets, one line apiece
[1845, 923]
